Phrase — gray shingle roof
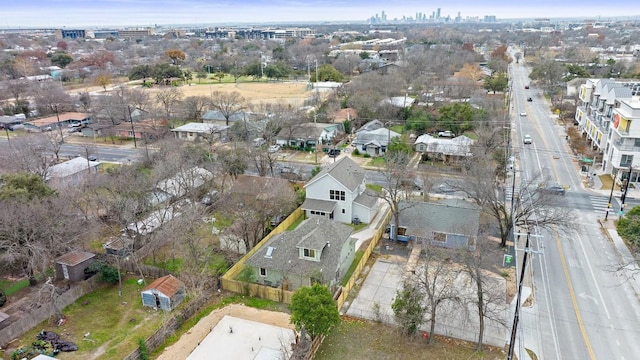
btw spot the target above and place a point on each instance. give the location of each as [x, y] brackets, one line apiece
[382, 136]
[345, 171]
[318, 205]
[367, 199]
[451, 216]
[311, 233]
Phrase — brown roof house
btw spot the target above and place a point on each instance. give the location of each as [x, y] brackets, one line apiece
[70, 266]
[164, 293]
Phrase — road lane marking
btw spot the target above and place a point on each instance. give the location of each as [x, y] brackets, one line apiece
[572, 295]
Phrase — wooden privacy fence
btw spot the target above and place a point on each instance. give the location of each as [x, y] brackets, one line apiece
[365, 257]
[33, 318]
[229, 283]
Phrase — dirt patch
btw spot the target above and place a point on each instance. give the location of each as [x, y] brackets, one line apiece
[196, 334]
[293, 93]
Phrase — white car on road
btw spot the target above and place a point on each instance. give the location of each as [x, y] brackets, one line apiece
[273, 148]
[527, 139]
[523, 113]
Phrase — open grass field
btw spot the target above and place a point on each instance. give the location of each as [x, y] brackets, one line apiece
[366, 340]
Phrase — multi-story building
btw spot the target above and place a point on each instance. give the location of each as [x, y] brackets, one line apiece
[608, 114]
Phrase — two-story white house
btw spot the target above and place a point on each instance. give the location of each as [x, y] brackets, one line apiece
[339, 193]
[608, 114]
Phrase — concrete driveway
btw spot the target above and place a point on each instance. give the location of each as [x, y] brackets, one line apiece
[380, 286]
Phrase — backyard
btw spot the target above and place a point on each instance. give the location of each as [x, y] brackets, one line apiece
[365, 340]
[102, 324]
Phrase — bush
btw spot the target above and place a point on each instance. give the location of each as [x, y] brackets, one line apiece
[629, 226]
[366, 155]
[108, 274]
[356, 152]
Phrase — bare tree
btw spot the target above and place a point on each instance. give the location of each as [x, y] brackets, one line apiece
[228, 104]
[398, 183]
[193, 107]
[533, 205]
[436, 277]
[26, 155]
[51, 98]
[169, 97]
[490, 296]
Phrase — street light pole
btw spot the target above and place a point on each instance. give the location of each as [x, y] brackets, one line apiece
[626, 189]
[606, 215]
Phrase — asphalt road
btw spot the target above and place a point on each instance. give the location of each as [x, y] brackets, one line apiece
[585, 309]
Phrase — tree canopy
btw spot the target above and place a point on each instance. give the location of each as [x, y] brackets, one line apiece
[23, 186]
[61, 59]
[314, 309]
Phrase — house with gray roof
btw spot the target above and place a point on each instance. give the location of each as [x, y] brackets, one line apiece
[450, 223]
[444, 149]
[200, 131]
[374, 142]
[338, 192]
[318, 250]
[71, 173]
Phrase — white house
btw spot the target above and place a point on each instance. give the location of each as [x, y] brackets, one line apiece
[199, 131]
[71, 173]
[445, 149]
[374, 142]
[338, 192]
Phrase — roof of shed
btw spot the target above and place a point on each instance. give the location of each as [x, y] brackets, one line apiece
[74, 258]
[168, 285]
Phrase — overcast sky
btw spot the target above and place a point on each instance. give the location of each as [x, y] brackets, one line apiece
[87, 13]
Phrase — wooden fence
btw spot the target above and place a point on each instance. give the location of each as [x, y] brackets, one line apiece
[169, 327]
[229, 283]
[363, 261]
[45, 311]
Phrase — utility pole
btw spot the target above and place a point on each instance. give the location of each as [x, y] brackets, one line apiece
[133, 131]
[59, 127]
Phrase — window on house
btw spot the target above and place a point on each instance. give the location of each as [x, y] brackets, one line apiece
[626, 160]
[636, 142]
[439, 236]
[343, 211]
[263, 272]
[336, 195]
[130, 133]
[309, 253]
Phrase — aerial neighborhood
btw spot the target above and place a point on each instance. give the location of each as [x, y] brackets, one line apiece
[447, 184]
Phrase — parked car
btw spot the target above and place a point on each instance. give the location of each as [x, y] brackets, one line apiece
[92, 158]
[526, 87]
[554, 189]
[444, 188]
[446, 134]
[276, 220]
[523, 113]
[334, 152]
[527, 139]
[257, 142]
[273, 148]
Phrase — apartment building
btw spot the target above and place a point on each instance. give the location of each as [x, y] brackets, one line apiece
[608, 114]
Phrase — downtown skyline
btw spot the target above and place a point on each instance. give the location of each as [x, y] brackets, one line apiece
[79, 13]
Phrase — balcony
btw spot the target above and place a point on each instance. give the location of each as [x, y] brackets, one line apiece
[622, 146]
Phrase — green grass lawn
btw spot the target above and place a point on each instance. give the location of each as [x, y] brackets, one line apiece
[352, 268]
[113, 323]
[365, 340]
[374, 187]
[11, 287]
[377, 162]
